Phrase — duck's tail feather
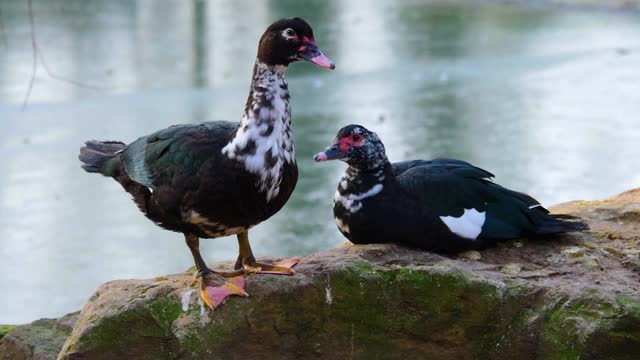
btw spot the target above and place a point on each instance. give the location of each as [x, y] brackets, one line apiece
[555, 224]
[101, 157]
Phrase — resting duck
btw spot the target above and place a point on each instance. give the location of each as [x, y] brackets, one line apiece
[438, 205]
[220, 178]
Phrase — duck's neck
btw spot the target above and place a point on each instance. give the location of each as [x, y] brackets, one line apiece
[357, 179]
[264, 139]
[358, 184]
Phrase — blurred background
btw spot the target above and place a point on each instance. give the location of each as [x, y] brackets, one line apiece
[545, 97]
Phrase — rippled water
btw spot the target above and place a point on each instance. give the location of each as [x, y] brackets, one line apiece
[547, 100]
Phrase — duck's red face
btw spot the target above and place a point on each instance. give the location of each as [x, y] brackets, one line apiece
[289, 40]
[356, 146]
[350, 141]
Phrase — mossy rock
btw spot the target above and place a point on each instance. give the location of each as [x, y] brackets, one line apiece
[42, 339]
[569, 297]
[5, 329]
[366, 302]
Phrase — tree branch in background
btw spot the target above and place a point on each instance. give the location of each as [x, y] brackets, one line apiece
[34, 58]
[38, 58]
[4, 33]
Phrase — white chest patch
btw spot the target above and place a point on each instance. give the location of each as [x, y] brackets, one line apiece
[264, 140]
[469, 225]
[353, 202]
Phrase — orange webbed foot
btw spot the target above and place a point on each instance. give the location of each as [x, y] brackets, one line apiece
[215, 289]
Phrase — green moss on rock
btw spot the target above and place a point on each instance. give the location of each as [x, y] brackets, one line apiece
[579, 328]
[5, 329]
[165, 311]
[355, 303]
[41, 339]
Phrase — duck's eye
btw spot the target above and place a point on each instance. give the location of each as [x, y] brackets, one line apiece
[289, 33]
[356, 137]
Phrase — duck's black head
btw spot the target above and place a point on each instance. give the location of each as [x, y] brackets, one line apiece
[357, 146]
[289, 40]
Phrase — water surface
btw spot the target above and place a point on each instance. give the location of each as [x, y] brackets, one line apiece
[547, 100]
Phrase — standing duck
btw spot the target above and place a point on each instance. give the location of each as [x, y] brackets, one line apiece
[220, 178]
[439, 205]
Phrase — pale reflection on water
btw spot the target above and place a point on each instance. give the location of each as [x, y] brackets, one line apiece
[546, 100]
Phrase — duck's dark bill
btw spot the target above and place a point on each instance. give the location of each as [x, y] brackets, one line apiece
[310, 52]
[331, 153]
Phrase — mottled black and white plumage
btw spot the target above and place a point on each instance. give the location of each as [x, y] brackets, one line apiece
[441, 205]
[219, 178]
[183, 181]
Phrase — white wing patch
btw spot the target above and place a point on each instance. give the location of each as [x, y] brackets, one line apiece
[469, 225]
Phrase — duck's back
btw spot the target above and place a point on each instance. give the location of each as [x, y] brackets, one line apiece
[178, 151]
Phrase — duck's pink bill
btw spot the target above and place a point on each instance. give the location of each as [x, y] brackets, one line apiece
[320, 157]
[322, 61]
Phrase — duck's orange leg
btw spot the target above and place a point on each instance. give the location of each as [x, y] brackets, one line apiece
[215, 286]
[247, 262]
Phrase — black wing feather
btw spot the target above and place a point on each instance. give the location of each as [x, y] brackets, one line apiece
[178, 150]
[449, 187]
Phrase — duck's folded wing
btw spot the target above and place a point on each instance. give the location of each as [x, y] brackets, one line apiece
[467, 201]
[175, 152]
[446, 186]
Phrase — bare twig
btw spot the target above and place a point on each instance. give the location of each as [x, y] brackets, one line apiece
[4, 33]
[37, 54]
[34, 59]
[62, 78]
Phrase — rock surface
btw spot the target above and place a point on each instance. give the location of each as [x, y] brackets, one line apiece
[5, 329]
[571, 297]
[575, 296]
[40, 340]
